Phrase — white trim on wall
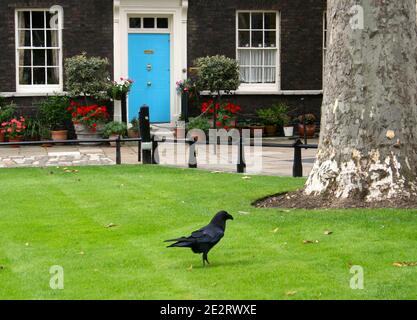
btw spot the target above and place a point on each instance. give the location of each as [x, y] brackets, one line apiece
[176, 11]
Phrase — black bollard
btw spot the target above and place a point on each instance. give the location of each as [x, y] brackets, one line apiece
[145, 133]
[297, 170]
[118, 151]
[241, 164]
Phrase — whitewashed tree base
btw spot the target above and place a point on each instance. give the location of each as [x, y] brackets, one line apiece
[368, 143]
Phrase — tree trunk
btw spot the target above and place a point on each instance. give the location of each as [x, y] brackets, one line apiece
[368, 139]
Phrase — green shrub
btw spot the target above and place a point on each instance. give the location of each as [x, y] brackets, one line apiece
[87, 76]
[7, 111]
[217, 73]
[118, 128]
[53, 112]
[198, 123]
[274, 115]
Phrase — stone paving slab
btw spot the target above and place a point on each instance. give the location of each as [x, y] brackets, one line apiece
[270, 161]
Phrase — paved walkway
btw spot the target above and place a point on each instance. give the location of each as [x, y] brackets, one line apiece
[268, 161]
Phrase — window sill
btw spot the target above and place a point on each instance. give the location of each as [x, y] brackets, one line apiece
[273, 92]
[30, 94]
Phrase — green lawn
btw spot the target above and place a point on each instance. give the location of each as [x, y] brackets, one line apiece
[51, 217]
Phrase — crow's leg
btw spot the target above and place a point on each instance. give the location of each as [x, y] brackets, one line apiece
[205, 259]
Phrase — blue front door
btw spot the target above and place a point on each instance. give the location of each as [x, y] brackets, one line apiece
[149, 68]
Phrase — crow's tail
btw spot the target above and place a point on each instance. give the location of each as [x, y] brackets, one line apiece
[180, 244]
[175, 240]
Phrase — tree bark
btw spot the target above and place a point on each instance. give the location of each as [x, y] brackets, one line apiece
[368, 137]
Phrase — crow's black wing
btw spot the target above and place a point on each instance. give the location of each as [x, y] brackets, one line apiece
[207, 235]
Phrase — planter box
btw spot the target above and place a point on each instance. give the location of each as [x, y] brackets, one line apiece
[85, 133]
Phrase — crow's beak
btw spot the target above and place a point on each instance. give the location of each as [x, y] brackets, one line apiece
[230, 217]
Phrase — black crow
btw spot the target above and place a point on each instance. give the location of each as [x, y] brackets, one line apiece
[201, 241]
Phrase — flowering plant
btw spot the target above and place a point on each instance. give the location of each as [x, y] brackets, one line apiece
[308, 119]
[184, 86]
[225, 112]
[14, 128]
[119, 88]
[89, 116]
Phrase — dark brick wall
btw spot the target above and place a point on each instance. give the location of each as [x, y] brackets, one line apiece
[212, 30]
[88, 27]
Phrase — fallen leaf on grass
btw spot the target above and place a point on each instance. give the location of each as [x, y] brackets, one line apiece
[246, 178]
[71, 171]
[27, 244]
[111, 225]
[190, 268]
[404, 264]
[81, 253]
[244, 212]
[291, 293]
[328, 232]
[275, 230]
[311, 241]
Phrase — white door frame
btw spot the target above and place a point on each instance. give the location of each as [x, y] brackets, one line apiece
[177, 11]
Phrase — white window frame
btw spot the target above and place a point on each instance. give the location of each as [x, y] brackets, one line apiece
[38, 89]
[149, 30]
[262, 87]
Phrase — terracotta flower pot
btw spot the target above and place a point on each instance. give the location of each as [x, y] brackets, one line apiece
[59, 135]
[132, 134]
[271, 130]
[310, 130]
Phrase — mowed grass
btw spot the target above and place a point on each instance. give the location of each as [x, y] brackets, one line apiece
[51, 217]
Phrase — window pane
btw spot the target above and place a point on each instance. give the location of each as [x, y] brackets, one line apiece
[24, 38]
[269, 75]
[38, 19]
[257, 21]
[256, 75]
[270, 57]
[52, 57]
[162, 23]
[25, 58]
[257, 39]
[244, 20]
[52, 39]
[270, 39]
[270, 20]
[53, 75]
[24, 19]
[244, 57]
[257, 57]
[135, 23]
[149, 23]
[25, 75]
[38, 38]
[38, 75]
[38, 57]
[245, 74]
[244, 40]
